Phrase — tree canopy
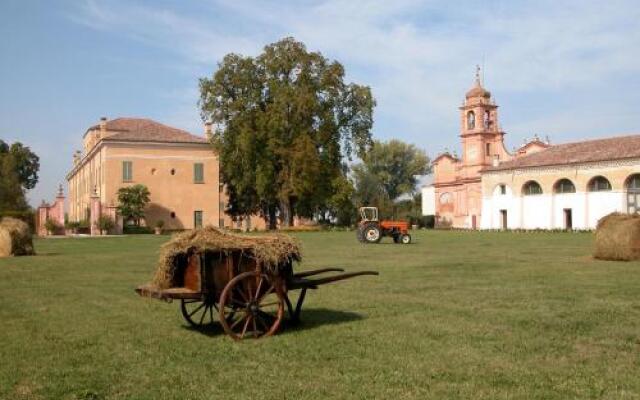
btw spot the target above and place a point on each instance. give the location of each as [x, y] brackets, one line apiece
[285, 121]
[131, 202]
[19, 168]
[389, 170]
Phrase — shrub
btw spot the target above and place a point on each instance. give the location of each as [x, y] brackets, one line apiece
[51, 226]
[72, 225]
[136, 230]
[159, 224]
[105, 223]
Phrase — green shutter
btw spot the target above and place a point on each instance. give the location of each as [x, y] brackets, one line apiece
[198, 173]
[127, 171]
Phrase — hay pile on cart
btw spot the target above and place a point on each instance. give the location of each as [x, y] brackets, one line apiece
[246, 279]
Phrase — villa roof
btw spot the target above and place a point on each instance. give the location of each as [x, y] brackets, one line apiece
[146, 130]
[614, 148]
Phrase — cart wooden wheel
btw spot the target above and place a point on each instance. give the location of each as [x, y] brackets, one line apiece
[198, 312]
[251, 305]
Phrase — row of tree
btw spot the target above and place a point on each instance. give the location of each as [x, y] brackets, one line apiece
[287, 128]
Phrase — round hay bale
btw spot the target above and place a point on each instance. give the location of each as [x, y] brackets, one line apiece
[15, 238]
[618, 237]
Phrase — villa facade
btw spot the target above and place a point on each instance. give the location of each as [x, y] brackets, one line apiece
[180, 170]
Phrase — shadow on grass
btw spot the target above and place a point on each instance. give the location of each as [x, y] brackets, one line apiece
[309, 319]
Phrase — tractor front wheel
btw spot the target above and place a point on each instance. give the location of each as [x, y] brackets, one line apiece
[405, 239]
[372, 233]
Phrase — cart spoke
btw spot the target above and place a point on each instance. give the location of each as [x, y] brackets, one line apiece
[255, 327]
[203, 315]
[242, 317]
[196, 310]
[211, 314]
[237, 303]
[246, 325]
[258, 289]
[271, 303]
[243, 295]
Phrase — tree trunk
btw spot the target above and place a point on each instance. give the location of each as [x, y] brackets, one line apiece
[272, 218]
[285, 209]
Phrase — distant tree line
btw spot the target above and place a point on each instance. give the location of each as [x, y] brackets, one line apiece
[287, 128]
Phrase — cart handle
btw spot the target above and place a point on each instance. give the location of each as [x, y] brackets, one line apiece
[304, 274]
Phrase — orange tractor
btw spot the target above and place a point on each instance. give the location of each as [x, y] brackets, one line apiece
[371, 230]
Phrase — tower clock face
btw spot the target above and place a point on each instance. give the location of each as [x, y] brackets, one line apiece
[472, 153]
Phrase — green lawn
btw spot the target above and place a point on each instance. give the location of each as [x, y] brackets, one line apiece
[454, 315]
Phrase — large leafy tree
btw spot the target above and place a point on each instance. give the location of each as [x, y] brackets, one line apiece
[18, 172]
[389, 170]
[132, 201]
[285, 120]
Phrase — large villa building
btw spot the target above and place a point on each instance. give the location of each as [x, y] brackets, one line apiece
[538, 186]
[180, 170]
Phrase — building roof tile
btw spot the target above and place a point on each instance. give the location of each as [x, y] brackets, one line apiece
[614, 148]
[146, 130]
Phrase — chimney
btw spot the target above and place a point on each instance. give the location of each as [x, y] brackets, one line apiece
[208, 131]
[103, 124]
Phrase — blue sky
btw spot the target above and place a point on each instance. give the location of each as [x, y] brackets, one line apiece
[567, 69]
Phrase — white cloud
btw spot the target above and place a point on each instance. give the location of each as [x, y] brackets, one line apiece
[418, 56]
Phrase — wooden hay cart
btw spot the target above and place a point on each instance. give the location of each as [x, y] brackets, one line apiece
[246, 280]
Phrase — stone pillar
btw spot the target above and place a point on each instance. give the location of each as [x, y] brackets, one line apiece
[96, 212]
[59, 207]
[43, 214]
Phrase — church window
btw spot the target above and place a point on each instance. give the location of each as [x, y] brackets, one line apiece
[471, 120]
[487, 119]
[445, 198]
[503, 189]
[487, 149]
[633, 182]
[599, 184]
[531, 188]
[565, 186]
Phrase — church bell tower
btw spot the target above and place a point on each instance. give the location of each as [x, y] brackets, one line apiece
[482, 139]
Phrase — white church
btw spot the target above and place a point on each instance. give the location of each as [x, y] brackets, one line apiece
[538, 186]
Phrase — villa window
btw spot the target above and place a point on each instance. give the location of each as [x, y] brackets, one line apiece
[198, 173]
[599, 184]
[565, 186]
[531, 188]
[503, 189]
[127, 171]
[197, 219]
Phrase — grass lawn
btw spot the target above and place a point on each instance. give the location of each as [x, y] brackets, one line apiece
[454, 315]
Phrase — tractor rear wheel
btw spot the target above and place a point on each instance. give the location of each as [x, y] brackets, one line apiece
[372, 233]
[405, 239]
